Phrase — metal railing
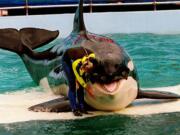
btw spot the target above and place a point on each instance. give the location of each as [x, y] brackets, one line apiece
[105, 7]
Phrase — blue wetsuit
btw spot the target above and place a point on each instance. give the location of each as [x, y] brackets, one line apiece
[67, 66]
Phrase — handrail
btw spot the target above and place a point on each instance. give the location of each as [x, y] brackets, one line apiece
[103, 4]
[110, 7]
[98, 4]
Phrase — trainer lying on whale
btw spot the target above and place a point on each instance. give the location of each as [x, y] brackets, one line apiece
[113, 82]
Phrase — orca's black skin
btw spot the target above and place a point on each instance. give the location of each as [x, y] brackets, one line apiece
[112, 59]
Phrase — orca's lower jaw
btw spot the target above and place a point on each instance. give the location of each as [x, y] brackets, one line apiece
[111, 88]
[108, 88]
[112, 96]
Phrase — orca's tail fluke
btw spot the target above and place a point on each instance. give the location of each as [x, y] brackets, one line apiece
[157, 95]
[79, 25]
[10, 40]
[35, 37]
[25, 40]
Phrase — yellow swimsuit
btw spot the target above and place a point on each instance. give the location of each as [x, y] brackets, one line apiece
[79, 74]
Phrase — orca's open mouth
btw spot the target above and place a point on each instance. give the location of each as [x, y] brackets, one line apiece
[110, 88]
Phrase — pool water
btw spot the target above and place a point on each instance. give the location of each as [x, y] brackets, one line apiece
[161, 124]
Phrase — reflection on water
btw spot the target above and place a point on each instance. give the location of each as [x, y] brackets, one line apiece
[160, 124]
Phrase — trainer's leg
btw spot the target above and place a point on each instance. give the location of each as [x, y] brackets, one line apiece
[67, 66]
[80, 96]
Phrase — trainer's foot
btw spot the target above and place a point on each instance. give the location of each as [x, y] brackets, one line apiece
[77, 113]
[84, 111]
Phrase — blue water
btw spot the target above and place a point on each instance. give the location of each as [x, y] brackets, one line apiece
[161, 124]
[157, 58]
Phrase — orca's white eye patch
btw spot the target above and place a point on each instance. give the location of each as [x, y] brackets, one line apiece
[130, 65]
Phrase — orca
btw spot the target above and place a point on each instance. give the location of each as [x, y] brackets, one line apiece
[114, 83]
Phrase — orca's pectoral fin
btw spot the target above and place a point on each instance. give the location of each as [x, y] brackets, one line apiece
[10, 40]
[157, 95]
[35, 37]
[56, 105]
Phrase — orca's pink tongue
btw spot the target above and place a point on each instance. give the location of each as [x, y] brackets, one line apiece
[110, 87]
